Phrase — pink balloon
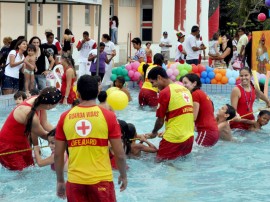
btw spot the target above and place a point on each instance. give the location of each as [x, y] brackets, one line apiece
[169, 72]
[135, 65]
[175, 72]
[261, 17]
[172, 77]
[173, 66]
[128, 67]
[136, 76]
[130, 73]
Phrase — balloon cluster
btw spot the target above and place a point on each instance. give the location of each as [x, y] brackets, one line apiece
[176, 70]
[207, 75]
[119, 71]
[133, 72]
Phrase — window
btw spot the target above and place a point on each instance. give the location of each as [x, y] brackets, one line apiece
[127, 3]
[87, 15]
[146, 34]
[147, 14]
[29, 17]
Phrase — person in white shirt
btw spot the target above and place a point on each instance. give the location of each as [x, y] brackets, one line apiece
[165, 45]
[180, 52]
[192, 50]
[84, 46]
[243, 40]
[109, 49]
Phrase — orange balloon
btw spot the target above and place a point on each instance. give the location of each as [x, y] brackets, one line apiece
[219, 82]
[218, 76]
[224, 80]
[213, 81]
[223, 72]
[216, 71]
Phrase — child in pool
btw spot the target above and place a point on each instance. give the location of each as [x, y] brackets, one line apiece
[102, 97]
[119, 83]
[19, 97]
[224, 115]
[262, 120]
[49, 160]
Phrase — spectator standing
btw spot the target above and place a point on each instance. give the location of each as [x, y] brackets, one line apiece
[114, 29]
[165, 45]
[68, 40]
[180, 52]
[243, 40]
[55, 41]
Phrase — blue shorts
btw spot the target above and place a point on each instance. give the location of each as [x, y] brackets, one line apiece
[10, 83]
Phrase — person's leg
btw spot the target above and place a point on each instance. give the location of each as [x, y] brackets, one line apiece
[115, 36]
[76, 192]
[27, 81]
[7, 86]
[101, 75]
[41, 81]
[113, 39]
[21, 81]
[81, 69]
[101, 192]
[32, 81]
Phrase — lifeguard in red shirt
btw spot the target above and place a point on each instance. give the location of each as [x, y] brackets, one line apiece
[204, 117]
[176, 110]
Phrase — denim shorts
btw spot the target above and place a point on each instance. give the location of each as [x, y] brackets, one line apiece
[10, 83]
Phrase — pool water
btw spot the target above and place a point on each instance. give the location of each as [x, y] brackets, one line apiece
[226, 172]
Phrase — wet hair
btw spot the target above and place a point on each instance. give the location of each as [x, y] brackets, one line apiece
[102, 96]
[147, 43]
[247, 69]
[264, 112]
[34, 91]
[192, 78]
[33, 38]
[231, 111]
[158, 59]
[195, 28]
[20, 94]
[31, 47]
[106, 36]
[86, 33]
[121, 79]
[48, 34]
[75, 102]
[19, 42]
[101, 44]
[68, 32]
[145, 67]
[51, 133]
[128, 132]
[115, 18]
[91, 92]
[49, 96]
[153, 74]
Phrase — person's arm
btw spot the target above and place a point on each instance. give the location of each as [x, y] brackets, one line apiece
[196, 108]
[42, 162]
[235, 97]
[158, 125]
[37, 131]
[91, 57]
[80, 44]
[44, 121]
[261, 95]
[12, 62]
[246, 121]
[141, 147]
[69, 75]
[120, 158]
[125, 90]
[109, 60]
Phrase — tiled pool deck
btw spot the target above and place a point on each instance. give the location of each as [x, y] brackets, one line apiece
[7, 100]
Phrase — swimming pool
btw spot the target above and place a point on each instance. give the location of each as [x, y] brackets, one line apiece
[226, 172]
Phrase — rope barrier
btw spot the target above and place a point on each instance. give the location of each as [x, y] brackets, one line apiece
[19, 151]
[252, 113]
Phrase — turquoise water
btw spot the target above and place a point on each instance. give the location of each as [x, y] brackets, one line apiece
[226, 172]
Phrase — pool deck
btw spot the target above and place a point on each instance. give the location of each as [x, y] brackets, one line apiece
[8, 101]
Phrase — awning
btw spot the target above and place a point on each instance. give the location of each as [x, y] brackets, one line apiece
[71, 2]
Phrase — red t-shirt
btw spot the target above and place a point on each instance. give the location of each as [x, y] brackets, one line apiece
[205, 119]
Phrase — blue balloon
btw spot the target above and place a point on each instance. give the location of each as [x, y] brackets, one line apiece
[207, 80]
[235, 74]
[203, 80]
[164, 66]
[229, 73]
[232, 81]
[209, 69]
[204, 74]
[211, 75]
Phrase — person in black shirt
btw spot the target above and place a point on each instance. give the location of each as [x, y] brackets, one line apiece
[49, 47]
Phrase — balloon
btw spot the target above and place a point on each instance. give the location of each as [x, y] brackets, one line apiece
[262, 76]
[183, 72]
[135, 65]
[175, 72]
[232, 81]
[172, 77]
[229, 73]
[201, 68]
[164, 66]
[128, 67]
[261, 17]
[211, 75]
[224, 80]
[110, 90]
[113, 77]
[262, 80]
[202, 80]
[222, 71]
[131, 73]
[207, 80]
[213, 81]
[124, 72]
[267, 3]
[204, 74]
[169, 72]
[136, 76]
[218, 76]
[114, 70]
[173, 66]
[140, 68]
[178, 77]
[216, 71]
[118, 71]
[188, 67]
[209, 69]
[235, 74]
[118, 100]
[127, 78]
[194, 68]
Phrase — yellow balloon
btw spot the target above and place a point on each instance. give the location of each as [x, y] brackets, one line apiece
[110, 90]
[140, 68]
[118, 100]
[75, 90]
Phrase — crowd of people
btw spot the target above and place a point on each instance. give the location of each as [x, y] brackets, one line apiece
[88, 140]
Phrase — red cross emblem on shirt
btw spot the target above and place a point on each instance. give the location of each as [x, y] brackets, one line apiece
[186, 97]
[83, 127]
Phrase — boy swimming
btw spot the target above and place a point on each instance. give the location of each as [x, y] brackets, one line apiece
[119, 83]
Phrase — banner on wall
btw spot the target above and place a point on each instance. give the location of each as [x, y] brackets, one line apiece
[261, 51]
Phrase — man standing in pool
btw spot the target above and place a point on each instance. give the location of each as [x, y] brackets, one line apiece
[175, 108]
[87, 129]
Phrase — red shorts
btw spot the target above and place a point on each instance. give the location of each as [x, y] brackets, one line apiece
[170, 151]
[17, 161]
[148, 59]
[207, 138]
[148, 97]
[100, 192]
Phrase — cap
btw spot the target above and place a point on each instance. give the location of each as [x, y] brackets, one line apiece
[165, 33]
[180, 35]
[48, 30]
